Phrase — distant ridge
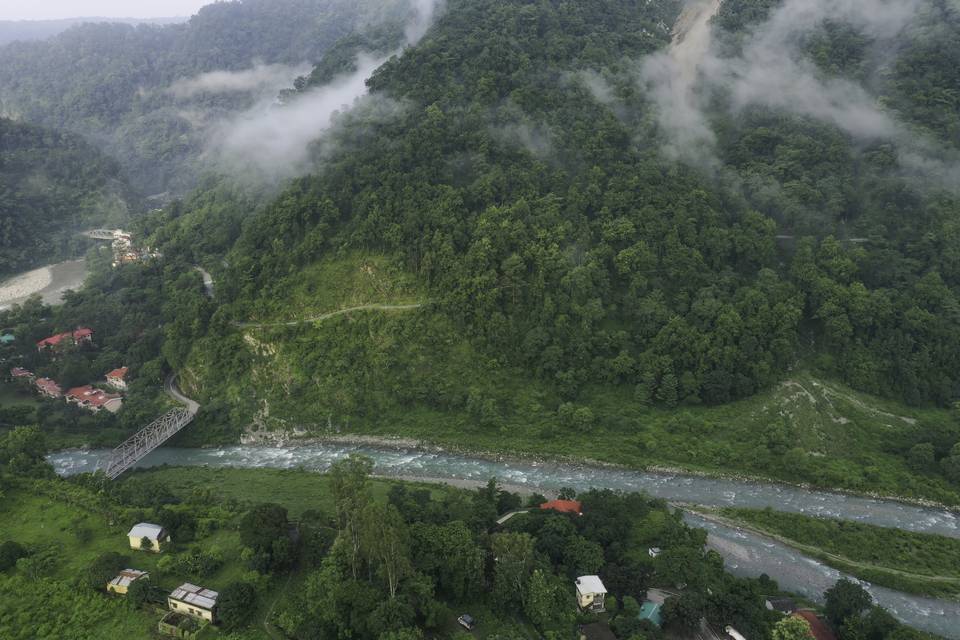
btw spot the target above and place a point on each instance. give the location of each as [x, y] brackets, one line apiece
[13, 30]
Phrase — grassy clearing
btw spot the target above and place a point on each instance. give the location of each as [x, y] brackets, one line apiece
[297, 490]
[349, 280]
[51, 606]
[924, 564]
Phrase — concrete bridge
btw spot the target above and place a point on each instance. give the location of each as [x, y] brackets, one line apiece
[137, 446]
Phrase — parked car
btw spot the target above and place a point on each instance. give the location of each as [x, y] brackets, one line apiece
[467, 621]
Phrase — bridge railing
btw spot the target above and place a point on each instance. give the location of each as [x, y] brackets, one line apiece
[146, 440]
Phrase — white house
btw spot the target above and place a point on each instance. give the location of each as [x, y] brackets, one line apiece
[590, 593]
[194, 601]
[153, 532]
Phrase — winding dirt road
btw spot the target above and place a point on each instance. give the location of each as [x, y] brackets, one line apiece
[331, 314]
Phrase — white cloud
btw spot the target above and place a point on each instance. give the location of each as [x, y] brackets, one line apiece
[259, 79]
[274, 138]
[771, 71]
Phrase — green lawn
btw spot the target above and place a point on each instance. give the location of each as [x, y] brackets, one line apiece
[42, 521]
[297, 490]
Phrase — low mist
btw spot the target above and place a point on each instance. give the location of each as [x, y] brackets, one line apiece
[260, 79]
[274, 139]
[771, 71]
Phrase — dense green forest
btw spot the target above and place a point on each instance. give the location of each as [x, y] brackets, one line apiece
[591, 259]
[25, 30]
[53, 185]
[524, 265]
[109, 81]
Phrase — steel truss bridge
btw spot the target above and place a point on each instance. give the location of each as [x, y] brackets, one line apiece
[151, 436]
[100, 234]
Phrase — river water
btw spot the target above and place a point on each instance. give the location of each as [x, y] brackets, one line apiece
[745, 554]
[50, 282]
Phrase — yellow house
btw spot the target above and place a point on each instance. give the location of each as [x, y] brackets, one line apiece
[194, 601]
[152, 532]
[590, 593]
[124, 579]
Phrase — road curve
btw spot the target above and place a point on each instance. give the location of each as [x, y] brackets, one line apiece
[207, 280]
[170, 386]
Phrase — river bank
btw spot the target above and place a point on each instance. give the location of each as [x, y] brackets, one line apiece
[404, 461]
[890, 541]
[49, 282]
[288, 439]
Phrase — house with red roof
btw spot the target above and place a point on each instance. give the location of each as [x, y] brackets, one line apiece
[564, 506]
[75, 337]
[818, 627]
[118, 378]
[19, 373]
[93, 399]
[49, 388]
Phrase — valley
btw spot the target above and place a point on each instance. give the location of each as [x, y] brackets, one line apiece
[690, 267]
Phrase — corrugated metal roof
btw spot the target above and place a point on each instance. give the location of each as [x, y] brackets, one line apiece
[126, 577]
[146, 530]
[590, 584]
[197, 596]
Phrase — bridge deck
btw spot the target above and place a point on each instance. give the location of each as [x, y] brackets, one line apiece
[146, 440]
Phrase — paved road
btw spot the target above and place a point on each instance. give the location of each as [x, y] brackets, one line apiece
[174, 392]
[207, 280]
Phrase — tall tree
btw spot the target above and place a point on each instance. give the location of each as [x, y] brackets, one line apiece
[349, 480]
[844, 600]
[383, 541]
[792, 628]
[513, 560]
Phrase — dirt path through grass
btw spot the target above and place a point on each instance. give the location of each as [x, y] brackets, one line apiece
[331, 314]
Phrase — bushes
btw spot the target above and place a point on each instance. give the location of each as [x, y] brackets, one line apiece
[104, 569]
[10, 552]
[236, 604]
[196, 562]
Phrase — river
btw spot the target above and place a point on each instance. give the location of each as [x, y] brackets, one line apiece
[745, 553]
[50, 282]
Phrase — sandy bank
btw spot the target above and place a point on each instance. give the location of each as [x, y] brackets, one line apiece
[49, 282]
[25, 284]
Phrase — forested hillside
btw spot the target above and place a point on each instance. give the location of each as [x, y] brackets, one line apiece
[517, 249]
[116, 83]
[25, 30]
[52, 185]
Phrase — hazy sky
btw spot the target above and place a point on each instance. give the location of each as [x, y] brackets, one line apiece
[47, 9]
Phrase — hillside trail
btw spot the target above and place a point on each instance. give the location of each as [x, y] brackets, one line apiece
[331, 314]
[817, 551]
